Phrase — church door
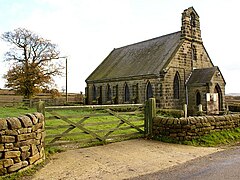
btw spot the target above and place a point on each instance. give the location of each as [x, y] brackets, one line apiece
[219, 99]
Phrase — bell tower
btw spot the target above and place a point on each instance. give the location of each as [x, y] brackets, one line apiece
[190, 25]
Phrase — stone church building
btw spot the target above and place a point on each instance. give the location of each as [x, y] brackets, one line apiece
[175, 69]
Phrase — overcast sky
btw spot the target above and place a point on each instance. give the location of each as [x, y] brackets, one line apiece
[86, 31]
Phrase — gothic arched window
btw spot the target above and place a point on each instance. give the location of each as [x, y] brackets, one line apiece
[109, 93]
[126, 93]
[198, 98]
[193, 20]
[149, 92]
[94, 92]
[194, 53]
[176, 86]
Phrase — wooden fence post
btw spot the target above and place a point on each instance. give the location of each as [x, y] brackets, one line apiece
[150, 113]
[41, 107]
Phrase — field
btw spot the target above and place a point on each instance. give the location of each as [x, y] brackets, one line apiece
[233, 103]
[86, 126]
[92, 126]
[14, 111]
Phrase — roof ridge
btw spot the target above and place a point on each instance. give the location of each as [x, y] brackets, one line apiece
[147, 40]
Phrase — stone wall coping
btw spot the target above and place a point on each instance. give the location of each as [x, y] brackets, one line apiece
[24, 121]
[195, 119]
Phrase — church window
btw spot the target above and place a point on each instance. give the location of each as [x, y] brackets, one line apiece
[194, 53]
[149, 90]
[126, 93]
[109, 93]
[193, 20]
[176, 86]
[94, 92]
[198, 98]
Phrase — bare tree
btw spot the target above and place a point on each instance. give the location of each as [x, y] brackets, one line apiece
[33, 62]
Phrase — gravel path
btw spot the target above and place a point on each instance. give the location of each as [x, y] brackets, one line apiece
[120, 160]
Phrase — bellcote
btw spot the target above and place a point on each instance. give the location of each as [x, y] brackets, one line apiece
[190, 25]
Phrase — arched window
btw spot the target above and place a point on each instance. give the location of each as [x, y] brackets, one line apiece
[100, 95]
[109, 93]
[94, 92]
[149, 92]
[126, 93]
[198, 98]
[193, 20]
[194, 53]
[176, 86]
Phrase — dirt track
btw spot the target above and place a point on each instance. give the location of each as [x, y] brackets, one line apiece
[119, 160]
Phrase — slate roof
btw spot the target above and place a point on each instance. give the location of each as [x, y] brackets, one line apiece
[143, 58]
[202, 76]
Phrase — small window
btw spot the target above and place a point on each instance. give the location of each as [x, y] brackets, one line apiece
[176, 86]
[194, 53]
[94, 92]
[126, 93]
[109, 93]
[193, 20]
[198, 98]
[149, 90]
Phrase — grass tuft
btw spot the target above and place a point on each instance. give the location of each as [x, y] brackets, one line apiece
[225, 137]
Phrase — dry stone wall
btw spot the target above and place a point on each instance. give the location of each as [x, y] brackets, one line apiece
[193, 127]
[21, 142]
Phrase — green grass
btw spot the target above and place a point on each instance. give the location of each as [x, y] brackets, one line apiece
[220, 138]
[90, 124]
[215, 139]
[14, 111]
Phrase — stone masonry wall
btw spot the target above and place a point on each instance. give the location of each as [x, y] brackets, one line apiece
[193, 127]
[21, 142]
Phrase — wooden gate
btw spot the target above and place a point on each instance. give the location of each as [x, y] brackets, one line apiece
[85, 125]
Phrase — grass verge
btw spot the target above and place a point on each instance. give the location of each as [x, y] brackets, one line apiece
[225, 137]
[221, 138]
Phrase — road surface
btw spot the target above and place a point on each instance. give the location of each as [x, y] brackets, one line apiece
[223, 165]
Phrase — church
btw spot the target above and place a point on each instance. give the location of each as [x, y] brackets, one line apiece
[175, 69]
